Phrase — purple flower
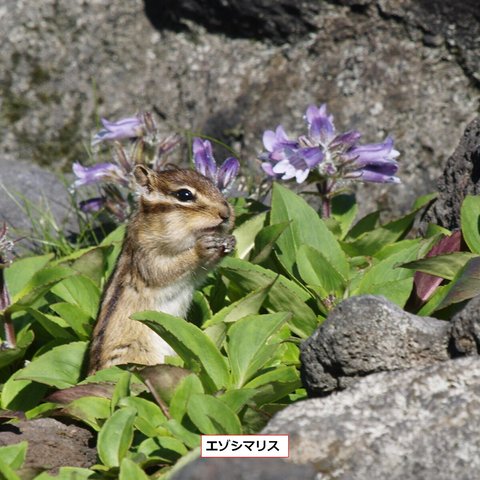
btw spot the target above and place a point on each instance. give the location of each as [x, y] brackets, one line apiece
[205, 164]
[125, 128]
[334, 155]
[285, 158]
[102, 172]
[92, 205]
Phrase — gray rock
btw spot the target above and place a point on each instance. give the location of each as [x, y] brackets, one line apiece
[405, 425]
[460, 178]
[51, 444]
[244, 469]
[465, 330]
[365, 335]
[67, 63]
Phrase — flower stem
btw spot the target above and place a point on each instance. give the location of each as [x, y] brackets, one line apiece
[10, 339]
[324, 188]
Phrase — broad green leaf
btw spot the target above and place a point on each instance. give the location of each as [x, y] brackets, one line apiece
[274, 384]
[91, 264]
[247, 305]
[39, 284]
[465, 285]
[315, 269]
[190, 343]
[200, 310]
[7, 472]
[115, 241]
[306, 228]
[397, 291]
[20, 272]
[149, 414]
[364, 225]
[344, 211]
[470, 219]
[161, 449]
[78, 320]
[115, 437]
[21, 395]
[370, 242]
[68, 473]
[445, 266]
[190, 439]
[24, 340]
[179, 402]
[81, 292]
[14, 455]
[248, 347]
[238, 398]
[210, 415]
[284, 296]
[122, 389]
[265, 241]
[129, 470]
[91, 410]
[60, 367]
[55, 326]
[434, 300]
[245, 234]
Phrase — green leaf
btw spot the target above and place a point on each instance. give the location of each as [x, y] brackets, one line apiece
[149, 414]
[200, 310]
[116, 436]
[315, 269]
[39, 284]
[24, 340]
[78, 320]
[179, 402]
[237, 399]
[344, 211]
[67, 473]
[91, 264]
[306, 227]
[445, 266]
[122, 389]
[81, 292]
[161, 449]
[247, 305]
[470, 220]
[190, 343]
[91, 410]
[245, 234]
[190, 439]
[7, 472]
[274, 384]
[55, 326]
[129, 470]
[364, 225]
[265, 241]
[60, 367]
[14, 455]
[21, 395]
[248, 348]
[211, 416]
[370, 242]
[284, 295]
[20, 272]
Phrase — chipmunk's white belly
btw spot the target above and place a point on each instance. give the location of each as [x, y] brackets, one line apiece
[174, 300]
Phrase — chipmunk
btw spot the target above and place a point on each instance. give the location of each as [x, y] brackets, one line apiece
[179, 232]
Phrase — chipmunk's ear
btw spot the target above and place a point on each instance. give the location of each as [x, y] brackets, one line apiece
[145, 178]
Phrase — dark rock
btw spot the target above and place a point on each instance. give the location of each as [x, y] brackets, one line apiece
[365, 335]
[466, 329]
[51, 444]
[403, 425]
[67, 63]
[460, 178]
[278, 21]
[244, 469]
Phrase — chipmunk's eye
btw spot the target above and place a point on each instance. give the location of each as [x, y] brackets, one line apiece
[184, 195]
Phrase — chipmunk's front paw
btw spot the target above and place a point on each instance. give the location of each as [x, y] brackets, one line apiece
[215, 247]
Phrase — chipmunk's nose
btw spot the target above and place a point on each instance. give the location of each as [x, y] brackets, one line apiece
[224, 213]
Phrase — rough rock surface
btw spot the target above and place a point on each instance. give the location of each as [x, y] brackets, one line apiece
[406, 68]
[51, 444]
[365, 335]
[405, 425]
[465, 330]
[460, 178]
[244, 469]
